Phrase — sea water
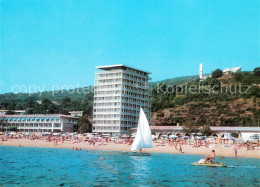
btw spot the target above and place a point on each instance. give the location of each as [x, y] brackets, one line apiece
[27, 166]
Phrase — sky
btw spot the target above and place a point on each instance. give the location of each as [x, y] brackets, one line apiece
[47, 44]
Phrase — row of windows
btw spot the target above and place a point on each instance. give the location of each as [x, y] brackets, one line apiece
[136, 84]
[108, 104]
[128, 117]
[130, 123]
[137, 78]
[134, 106]
[107, 92]
[106, 116]
[112, 81]
[106, 128]
[107, 87]
[136, 88]
[144, 94]
[107, 74]
[106, 122]
[133, 71]
[36, 130]
[107, 110]
[30, 120]
[107, 98]
[31, 125]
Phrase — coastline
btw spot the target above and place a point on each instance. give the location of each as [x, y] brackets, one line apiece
[221, 149]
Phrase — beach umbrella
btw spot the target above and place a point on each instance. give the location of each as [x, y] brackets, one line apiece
[56, 134]
[154, 136]
[12, 133]
[116, 135]
[90, 135]
[173, 136]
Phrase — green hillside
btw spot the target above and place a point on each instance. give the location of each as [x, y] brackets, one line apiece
[219, 100]
[177, 80]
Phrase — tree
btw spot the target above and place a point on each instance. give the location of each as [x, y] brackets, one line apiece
[238, 76]
[255, 91]
[205, 130]
[9, 112]
[257, 71]
[217, 73]
[235, 134]
[84, 124]
[190, 128]
[13, 129]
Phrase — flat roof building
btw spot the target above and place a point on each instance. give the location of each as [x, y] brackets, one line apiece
[76, 113]
[39, 123]
[119, 93]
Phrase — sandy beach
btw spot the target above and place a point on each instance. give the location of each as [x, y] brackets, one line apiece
[222, 150]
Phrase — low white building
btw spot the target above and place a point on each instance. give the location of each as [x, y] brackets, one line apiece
[39, 123]
[76, 113]
[222, 131]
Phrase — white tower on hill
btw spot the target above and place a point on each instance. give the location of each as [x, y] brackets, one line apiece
[201, 71]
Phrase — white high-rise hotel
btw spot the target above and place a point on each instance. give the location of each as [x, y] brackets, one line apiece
[120, 91]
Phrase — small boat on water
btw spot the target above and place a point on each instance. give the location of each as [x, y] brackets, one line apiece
[210, 164]
[143, 138]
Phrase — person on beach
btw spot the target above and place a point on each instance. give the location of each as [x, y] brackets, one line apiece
[210, 158]
[176, 144]
[235, 150]
[180, 150]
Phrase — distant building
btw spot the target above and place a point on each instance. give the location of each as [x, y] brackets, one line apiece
[222, 131]
[39, 123]
[119, 93]
[76, 113]
[201, 71]
[201, 76]
[55, 102]
[18, 112]
[3, 112]
[39, 102]
[232, 70]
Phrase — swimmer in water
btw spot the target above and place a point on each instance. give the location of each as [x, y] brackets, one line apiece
[101, 158]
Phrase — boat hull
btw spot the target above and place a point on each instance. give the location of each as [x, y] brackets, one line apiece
[214, 164]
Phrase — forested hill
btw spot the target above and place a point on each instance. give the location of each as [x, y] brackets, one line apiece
[177, 80]
[220, 100]
[230, 100]
[62, 101]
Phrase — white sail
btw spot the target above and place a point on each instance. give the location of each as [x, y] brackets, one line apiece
[143, 138]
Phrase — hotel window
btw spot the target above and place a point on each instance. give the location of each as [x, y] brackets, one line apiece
[57, 125]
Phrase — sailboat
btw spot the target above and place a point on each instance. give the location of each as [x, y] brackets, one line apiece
[143, 138]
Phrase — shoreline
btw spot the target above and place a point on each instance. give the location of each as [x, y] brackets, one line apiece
[221, 149]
